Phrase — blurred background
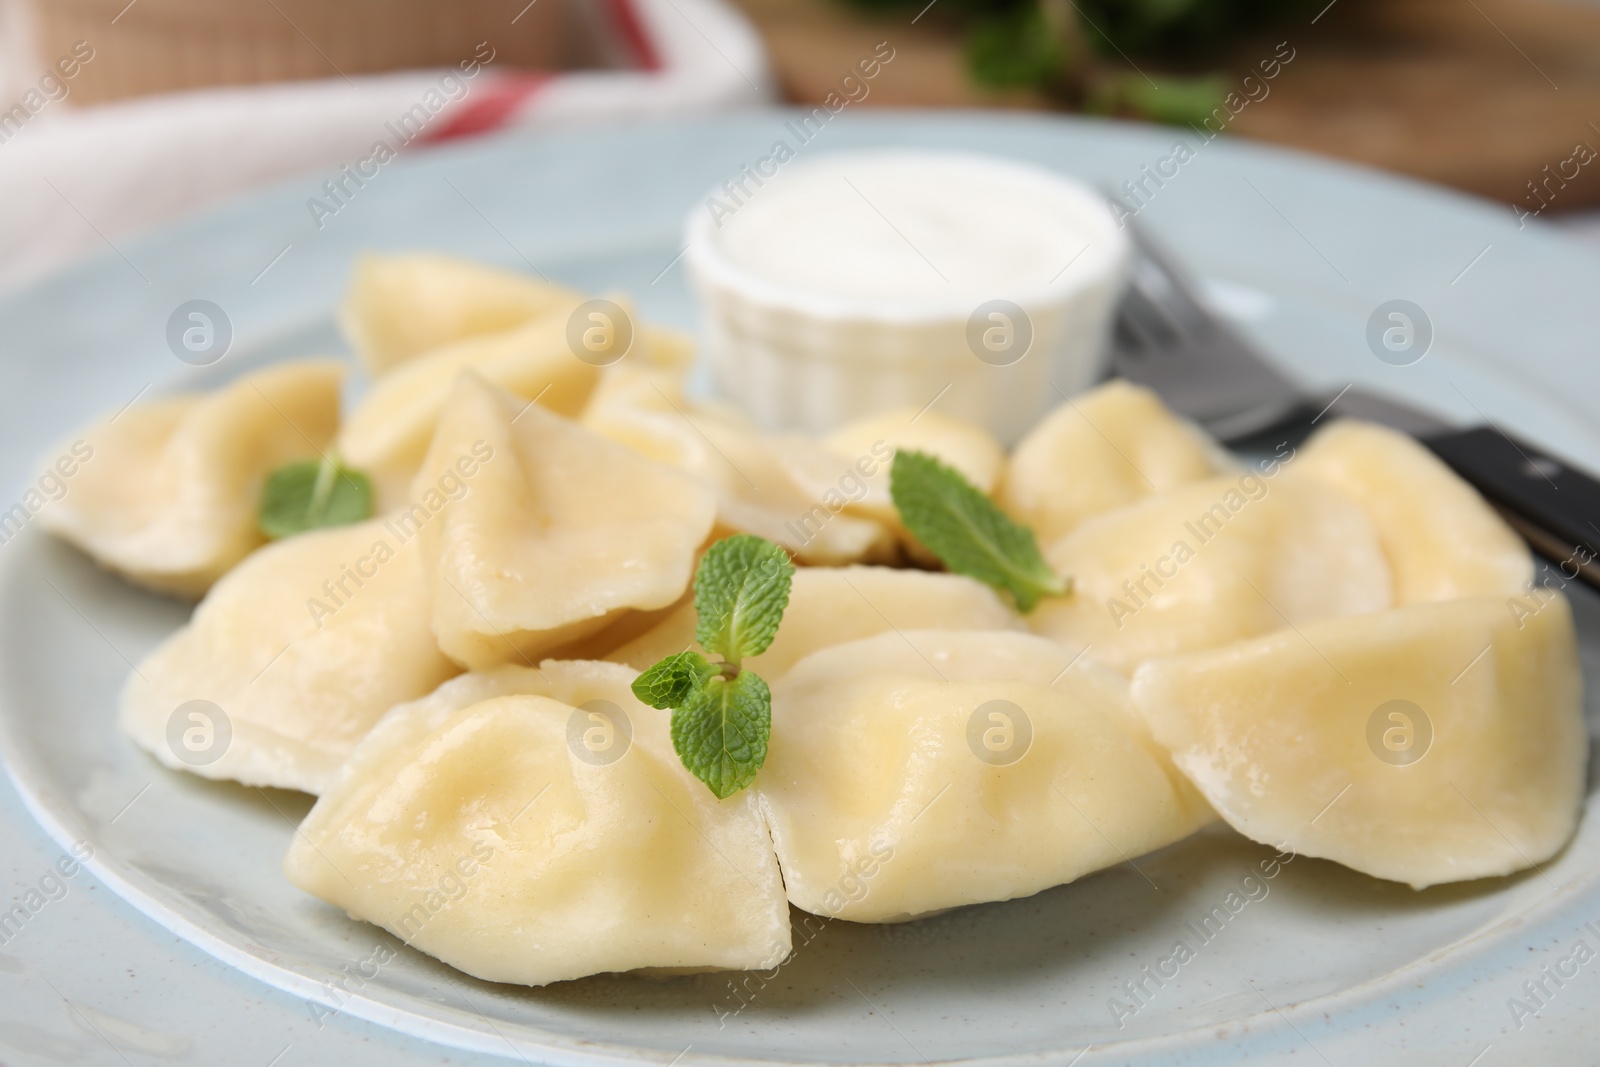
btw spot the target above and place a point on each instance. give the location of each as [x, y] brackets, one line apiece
[117, 115]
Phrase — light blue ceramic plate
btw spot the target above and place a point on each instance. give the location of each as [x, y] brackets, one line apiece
[1328, 966]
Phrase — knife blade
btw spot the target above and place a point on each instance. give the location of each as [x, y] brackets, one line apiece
[1205, 369]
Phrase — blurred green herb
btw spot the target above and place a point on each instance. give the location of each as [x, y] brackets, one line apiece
[312, 494]
[1177, 101]
[1014, 49]
[1077, 51]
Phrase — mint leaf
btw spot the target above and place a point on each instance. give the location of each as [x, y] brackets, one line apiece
[670, 683]
[721, 733]
[956, 522]
[1177, 102]
[722, 716]
[312, 494]
[1017, 48]
[740, 591]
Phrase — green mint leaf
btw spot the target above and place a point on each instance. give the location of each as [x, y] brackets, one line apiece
[312, 494]
[1018, 48]
[721, 716]
[721, 733]
[1177, 102]
[965, 529]
[670, 683]
[740, 591]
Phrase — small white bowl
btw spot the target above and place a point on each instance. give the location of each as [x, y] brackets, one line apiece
[844, 285]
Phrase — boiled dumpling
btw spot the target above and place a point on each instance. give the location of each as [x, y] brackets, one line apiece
[1430, 743]
[762, 496]
[167, 492]
[1105, 449]
[1209, 564]
[631, 627]
[302, 647]
[553, 537]
[867, 447]
[389, 431]
[758, 478]
[1442, 539]
[401, 306]
[639, 405]
[534, 825]
[851, 473]
[918, 771]
[829, 606]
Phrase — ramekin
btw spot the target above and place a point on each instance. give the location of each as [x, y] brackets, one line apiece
[809, 361]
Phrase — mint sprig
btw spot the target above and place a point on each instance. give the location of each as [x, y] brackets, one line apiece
[722, 715]
[967, 531]
[671, 682]
[740, 592]
[721, 731]
[312, 494]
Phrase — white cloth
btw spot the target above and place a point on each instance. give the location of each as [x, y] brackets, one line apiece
[73, 180]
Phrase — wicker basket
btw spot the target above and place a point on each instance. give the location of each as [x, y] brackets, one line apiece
[153, 46]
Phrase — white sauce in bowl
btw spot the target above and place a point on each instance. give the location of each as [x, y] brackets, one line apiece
[906, 228]
[848, 284]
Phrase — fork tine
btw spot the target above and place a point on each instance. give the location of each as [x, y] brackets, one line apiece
[1171, 342]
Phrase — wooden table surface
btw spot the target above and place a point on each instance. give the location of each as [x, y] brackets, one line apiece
[1482, 95]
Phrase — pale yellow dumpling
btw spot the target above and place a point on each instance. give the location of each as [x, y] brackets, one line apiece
[556, 533]
[850, 474]
[1442, 539]
[1102, 450]
[966, 446]
[1431, 743]
[401, 306]
[302, 647]
[914, 772]
[389, 431]
[167, 492]
[644, 407]
[534, 825]
[833, 605]
[759, 480]
[866, 448]
[1211, 563]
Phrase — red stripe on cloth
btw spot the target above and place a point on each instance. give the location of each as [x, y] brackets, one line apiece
[490, 108]
[625, 18]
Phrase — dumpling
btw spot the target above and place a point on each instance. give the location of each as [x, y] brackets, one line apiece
[388, 433]
[534, 825]
[1209, 564]
[1442, 539]
[303, 647]
[1430, 743]
[829, 606]
[759, 481]
[761, 495]
[403, 305]
[911, 773]
[1103, 450]
[966, 446]
[557, 532]
[167, 492]
[639, 406]
[852, 474]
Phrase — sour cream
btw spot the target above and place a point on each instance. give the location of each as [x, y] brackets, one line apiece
[851, 283]
[905, 230]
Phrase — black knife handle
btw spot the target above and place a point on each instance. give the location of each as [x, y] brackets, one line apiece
[1552, 504]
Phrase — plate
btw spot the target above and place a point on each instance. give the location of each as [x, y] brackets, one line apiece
[1320, 964]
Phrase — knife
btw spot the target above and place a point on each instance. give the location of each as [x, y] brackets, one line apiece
[1205, 369]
